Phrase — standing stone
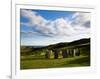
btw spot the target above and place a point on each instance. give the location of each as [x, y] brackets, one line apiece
[60, 54]
[55, 54]
[64, 53]
[68, 51]
[71, 53]
[77, 52]
[74, 52]
[47, 54]
[51, 54]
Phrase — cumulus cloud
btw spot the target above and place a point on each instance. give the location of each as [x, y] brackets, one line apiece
[79, 24]
[82, 19]
[34, 18]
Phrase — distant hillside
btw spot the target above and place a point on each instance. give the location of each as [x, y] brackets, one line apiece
[65, 44]
[81, 41]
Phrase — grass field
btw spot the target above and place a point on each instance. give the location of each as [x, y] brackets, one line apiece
[32, 62]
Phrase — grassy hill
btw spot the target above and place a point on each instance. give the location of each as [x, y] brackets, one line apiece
[33, 57]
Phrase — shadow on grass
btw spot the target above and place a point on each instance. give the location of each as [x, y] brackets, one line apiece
[81, 61]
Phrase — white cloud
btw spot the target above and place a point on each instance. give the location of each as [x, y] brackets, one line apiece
[60, 28]
[80, 18]
[63, 27]
[34, 18]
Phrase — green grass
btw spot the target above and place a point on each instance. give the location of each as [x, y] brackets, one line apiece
[35, 62]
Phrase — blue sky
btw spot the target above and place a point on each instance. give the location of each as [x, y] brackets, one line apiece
[50, 14]
[45, 27]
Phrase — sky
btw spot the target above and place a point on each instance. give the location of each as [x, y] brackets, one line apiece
[45, 27]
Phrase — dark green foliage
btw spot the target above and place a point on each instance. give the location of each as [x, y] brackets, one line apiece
[85, 50]
[78, 42]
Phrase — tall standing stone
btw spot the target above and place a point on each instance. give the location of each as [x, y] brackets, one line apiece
[64, 53]
[55, 54]
[47, 54]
